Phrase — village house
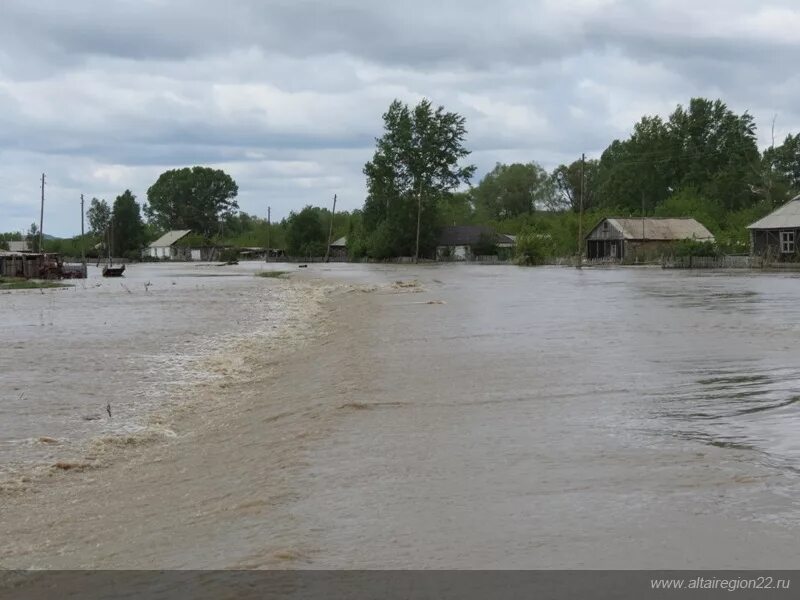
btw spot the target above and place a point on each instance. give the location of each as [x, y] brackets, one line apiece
[338, 248]
[166, 247]
[460, 242]
[775, 237]
[619, 239]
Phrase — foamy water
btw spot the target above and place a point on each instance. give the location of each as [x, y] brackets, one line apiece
[139, 345]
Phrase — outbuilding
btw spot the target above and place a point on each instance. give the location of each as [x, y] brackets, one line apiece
[338, 248]
[463, 242]
[621, 238]
[775, 237]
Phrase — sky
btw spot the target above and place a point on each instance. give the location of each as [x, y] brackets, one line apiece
[287, 96]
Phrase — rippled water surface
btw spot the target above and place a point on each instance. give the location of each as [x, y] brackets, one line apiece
[131, 344]
[470, 417]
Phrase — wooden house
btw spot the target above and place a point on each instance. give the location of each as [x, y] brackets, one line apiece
[777, 235]
[629, 238]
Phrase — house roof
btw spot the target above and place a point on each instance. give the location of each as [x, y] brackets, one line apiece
[787, 216]
[340, 243]
[658, 229]
[469, 235]
[170, 238]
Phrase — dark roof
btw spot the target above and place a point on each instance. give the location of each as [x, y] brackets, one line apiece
[468, 235]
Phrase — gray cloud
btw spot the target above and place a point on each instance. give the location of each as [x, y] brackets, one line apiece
[287, 95]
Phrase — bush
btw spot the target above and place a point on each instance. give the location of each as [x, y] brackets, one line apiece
[532, 248]
[229, 254]
[696, 248]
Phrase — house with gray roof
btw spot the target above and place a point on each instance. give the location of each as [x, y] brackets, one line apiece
[621, 238]
[776, 236]
[165, 247]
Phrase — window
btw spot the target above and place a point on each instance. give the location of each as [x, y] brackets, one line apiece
[787, 242]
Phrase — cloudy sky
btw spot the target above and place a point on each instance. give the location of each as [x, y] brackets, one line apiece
[287, 95]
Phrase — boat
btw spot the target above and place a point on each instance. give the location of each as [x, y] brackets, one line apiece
[109, 271]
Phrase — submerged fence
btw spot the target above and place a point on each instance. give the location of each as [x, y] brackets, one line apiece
[733, 261]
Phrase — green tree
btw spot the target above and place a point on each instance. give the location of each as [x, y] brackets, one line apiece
[99, 216]
[567, 179]
[305, 235]
[129, 233]
[193, 198]
[780, 172]
[33, 237]
[508, 191]
[415, 165]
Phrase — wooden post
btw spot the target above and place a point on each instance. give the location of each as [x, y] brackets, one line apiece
[419, 219]
[580, 215]
[83, 242]
[41, 220]
[268, 229]
[330, 231]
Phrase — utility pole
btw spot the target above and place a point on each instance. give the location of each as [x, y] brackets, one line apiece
[419, 218]
[580, 212]
[83, 242]
[330, 231]
[268, 228]
[41, 220]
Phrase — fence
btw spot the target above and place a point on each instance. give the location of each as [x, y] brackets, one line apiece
[712, 262]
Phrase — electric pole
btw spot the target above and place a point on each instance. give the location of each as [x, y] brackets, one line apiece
[330, 231]
[41, 220]
[419, 219]
[266, 258]
[83, 242]
[580, 211]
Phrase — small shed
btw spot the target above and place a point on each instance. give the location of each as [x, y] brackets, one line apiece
[165, 248]
[776, 236]
[620, 238]
[338, 248]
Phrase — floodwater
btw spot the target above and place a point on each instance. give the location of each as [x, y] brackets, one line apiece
[132, 346]
[471, 417]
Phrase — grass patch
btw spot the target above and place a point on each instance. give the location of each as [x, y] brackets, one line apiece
[20, 283]
[272, 273]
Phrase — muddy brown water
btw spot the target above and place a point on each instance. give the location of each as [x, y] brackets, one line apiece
[484, 417]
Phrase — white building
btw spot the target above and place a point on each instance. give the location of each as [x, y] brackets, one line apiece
[165, 248]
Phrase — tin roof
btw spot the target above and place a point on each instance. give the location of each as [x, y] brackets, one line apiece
[787, 216]
[340, 243]
[170, 238]
[658, 229]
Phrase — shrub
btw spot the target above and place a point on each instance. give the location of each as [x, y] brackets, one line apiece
[532, 248]
[696, 248]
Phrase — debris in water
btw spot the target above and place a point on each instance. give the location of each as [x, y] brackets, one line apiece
[47, 440]
[108, 409]
[71, 466]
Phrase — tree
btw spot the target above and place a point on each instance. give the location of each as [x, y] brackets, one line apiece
[33, 237]
[567, 180]
[705, 147]
[305, 235]
[128, 227]
[512, 190]
[414, 166]
[99, 215]
[780, 172]
[193, 198]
